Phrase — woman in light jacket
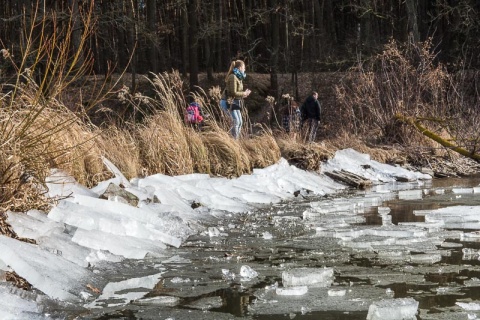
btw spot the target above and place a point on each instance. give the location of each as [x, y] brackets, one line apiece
[234, 94]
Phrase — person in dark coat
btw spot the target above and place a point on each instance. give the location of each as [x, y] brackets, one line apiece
[310, 116]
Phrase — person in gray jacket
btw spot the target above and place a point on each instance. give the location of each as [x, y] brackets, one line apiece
[310, 116]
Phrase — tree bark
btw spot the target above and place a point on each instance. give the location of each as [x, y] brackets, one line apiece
[152, 33]
[193, 7]
[412, 19]
[274, 48]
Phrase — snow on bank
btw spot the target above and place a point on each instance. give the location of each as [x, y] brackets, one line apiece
[85, 228]
[361, 164]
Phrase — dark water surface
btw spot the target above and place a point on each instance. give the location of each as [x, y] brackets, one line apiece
[204, 291]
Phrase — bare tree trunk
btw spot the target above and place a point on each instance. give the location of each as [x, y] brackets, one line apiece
[193, 8]
[152, 30]
[412, 19]
[76, 29]
[185, 38]
[275, 46]
[132, 42]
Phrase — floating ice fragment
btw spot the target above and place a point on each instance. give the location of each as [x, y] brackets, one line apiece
[315, 277]
[428, 258]
[214, 232]
[410, 194]
[393, 309]
[228, 275]
[471, 306]
[383, 210]
[179, 280]
[267, 235]
[247, 273]
[337, 292]
[292, 291]
[462, 190]
[473, 282]
[390, 293]
[160, 300]
[126, 290]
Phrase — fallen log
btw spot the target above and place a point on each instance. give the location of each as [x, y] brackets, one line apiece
[349, 178]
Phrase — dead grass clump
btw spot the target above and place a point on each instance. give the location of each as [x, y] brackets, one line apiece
[121, 147]
[163, 145]
[227, 157]
[70, 145]
[262, 150]
[305, 156]
[198, 151]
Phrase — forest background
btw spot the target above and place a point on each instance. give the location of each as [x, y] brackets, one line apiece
[88, 80]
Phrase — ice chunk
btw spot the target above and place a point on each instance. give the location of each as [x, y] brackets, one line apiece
[103, 216]
[315, 277]
[428, 258]
[383, 210]
[169, 301]
[206, 303]
[247, 273]
[267, 235]
[228, 275]
[116, 172]
[337, 292]
[126, 290]
[462, 190]
[61, 185]
[410, 194]
[393, 309]
[470, 254]
[292, 291]
[128, 247]
[28, 226]
[13, 306]
[50, 273]
[471, 306]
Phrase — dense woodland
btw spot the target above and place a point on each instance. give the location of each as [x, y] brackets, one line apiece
[273, 36]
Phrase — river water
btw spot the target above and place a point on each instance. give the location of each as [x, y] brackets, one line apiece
[201, 279]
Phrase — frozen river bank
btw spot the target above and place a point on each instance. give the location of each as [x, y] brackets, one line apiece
[258, 247]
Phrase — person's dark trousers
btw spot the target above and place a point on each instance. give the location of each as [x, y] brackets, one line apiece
[310, 126]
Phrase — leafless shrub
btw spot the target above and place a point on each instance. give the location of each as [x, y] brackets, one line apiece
[405, 80]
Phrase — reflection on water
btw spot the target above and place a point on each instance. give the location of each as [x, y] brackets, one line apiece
[437, 271]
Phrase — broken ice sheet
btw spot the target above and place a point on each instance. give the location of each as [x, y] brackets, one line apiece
[122, 292]
[393, 309]
[317, 277]
[269, 302]
[52, 274]
[206, 303]
[410, 194]
[292, 291]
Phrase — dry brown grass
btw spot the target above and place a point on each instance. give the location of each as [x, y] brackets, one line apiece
[120, 146]
[262, 150]
[227, 157]
[163, 145]
[307, 156]
[198, 151]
